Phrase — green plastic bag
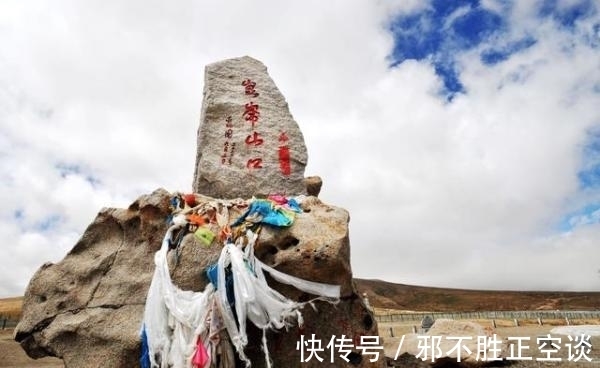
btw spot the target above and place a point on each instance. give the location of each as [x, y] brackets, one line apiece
[205, 235]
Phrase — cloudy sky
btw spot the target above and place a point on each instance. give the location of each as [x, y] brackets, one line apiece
[463, 136]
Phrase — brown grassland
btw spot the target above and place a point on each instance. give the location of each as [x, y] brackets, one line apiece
[419, 298]
[11, 308]
[389, 298]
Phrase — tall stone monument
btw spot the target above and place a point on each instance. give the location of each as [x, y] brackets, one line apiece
[248, 142]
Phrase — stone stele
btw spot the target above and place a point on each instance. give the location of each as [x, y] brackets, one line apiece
[247, 135]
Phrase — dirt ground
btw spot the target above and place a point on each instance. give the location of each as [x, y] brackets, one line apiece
[12, 356]
[504, 330]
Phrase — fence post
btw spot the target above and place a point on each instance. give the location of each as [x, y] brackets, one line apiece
[516, 322]
[494, 323]
[391, 332]
[4, 323]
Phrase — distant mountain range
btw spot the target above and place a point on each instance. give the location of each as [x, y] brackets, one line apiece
[384, 294]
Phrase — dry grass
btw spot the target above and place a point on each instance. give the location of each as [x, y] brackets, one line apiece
[388, 298]
[418, 298]
[11, 308]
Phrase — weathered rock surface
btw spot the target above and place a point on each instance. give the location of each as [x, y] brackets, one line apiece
[447, 331]
[87, 309]
[313, 185]
[248, 142]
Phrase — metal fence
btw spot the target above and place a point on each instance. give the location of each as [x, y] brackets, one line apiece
[417, 317]
[512, 315]
[7, 323]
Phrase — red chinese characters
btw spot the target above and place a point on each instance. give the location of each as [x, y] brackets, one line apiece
[250, 88]
[254, 139]
[254, 163]
[252, 115]
[284, 155]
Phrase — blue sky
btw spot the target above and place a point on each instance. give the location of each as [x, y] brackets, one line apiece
[457, 132]
[444, 30]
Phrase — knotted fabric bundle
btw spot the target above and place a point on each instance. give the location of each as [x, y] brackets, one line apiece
[181, 329]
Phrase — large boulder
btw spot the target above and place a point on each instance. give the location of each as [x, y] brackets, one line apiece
[450, 342]
[87, 309]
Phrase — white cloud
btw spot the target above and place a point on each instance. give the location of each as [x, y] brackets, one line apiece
[458, 13]
[465, 194]
[496, 6]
